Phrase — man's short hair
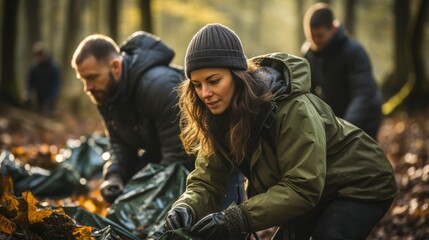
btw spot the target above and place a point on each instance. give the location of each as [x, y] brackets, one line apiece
[318, 15]
[97, 45]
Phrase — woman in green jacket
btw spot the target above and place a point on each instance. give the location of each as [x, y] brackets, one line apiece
[308, 172]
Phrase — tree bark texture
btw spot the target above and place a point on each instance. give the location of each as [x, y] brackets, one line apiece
[8, 85]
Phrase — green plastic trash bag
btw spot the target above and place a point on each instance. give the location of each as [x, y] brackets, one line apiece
[147, 197]
[8, 167]
[61, 182]
[106, 233]
[85, 155]
[105, 229]
[178, 234]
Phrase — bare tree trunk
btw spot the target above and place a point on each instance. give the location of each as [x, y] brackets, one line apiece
[8, 85]
[112, 19]
[409, 76]
[300, 19]
[402, 21]
[398, 77]
[419, 95]
[259, 20]
[417, 43]
[145, 9]
[54, 27]
[73, 21]
[32, 17]
[95, 15]
[349, 21]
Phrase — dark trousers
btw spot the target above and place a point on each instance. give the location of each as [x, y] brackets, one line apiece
[337, 219]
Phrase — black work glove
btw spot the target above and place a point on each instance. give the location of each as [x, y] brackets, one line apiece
[111, 188]
[228, 224]
[179, 217]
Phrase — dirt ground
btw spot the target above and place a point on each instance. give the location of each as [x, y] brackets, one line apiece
[404, 137]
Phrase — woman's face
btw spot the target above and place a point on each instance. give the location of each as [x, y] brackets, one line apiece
[215, 87]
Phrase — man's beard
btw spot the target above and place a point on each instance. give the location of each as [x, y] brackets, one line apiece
[103, 96]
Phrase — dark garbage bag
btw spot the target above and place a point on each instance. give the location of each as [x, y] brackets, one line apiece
[147, 197]
[15, 169]
[106, 233]
[104, 229]
[82, 160]
[61, 182]
[178, 234]
[85, 155]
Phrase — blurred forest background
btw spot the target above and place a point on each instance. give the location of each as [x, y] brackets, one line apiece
[395, 33]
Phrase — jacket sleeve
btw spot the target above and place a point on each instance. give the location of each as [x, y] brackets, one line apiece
[123, 159]
[362, 85]
[301, 158]
[206, 186]
[159, 100]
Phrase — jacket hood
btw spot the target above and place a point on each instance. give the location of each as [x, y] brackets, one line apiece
[285, 75]
[141, 52]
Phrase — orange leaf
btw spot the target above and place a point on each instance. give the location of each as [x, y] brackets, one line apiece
[83, 233]
[35, 215]
[6, 227]
[7, 198]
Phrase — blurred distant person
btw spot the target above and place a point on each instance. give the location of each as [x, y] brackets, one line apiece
[133, 88]
[341, 72]
[44, 80]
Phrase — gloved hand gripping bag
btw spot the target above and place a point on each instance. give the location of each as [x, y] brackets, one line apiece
[147, 197]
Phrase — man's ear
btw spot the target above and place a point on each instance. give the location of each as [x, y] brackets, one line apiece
[335, 25]
[116, 65]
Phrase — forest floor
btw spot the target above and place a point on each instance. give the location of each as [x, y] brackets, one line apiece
[404, 137]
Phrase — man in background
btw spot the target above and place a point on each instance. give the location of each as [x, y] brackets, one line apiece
[44, 80]
[341, 70]
[133, 88]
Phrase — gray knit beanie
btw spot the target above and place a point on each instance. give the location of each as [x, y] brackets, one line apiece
[213, 46]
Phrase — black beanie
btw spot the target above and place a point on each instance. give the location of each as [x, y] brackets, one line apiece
[213, 46]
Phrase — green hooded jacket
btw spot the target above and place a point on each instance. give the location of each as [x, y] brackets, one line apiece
[312, 156]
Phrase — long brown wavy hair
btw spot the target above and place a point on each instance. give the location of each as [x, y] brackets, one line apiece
[196, 135]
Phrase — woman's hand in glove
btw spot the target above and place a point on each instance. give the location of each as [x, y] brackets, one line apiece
[228, 224]
[179, 217]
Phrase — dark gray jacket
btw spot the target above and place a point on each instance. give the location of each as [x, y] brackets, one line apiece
[142, 116]
[342, 77]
